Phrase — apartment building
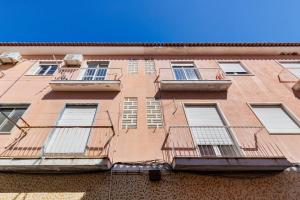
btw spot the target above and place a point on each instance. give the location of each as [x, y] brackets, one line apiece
[150, 120]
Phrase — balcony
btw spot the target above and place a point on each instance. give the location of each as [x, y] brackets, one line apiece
[290, 76]
[213, 148]
[50, 148]
[87, 79]
[192, 79]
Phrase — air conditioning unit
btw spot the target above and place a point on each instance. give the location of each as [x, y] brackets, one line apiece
[73, 59]
[10, 57]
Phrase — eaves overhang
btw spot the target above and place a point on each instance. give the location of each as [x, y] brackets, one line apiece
[98, 48]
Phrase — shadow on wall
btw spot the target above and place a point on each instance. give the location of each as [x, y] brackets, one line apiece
[54, 95]
[297, 94]
[191, 95]
[6, 66]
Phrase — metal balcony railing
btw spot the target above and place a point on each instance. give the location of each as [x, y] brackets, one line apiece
[53, 141]
[191, 74]
[220, 142]
[88, 74]
[192, 79]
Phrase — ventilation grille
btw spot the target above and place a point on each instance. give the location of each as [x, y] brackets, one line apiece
[149, 66]
[130, 109]
[154, 115]
[132, 67]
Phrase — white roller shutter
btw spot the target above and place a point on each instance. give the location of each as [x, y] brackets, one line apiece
[207, 116]
[232, 67]
[72, 141]
[293, 67]
[275, 119]
[33, 69]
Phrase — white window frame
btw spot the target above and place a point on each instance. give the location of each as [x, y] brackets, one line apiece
[93, 77]
[187, 64]
[279, 62]
[61, 111]
[58, 63]
[283, 107]
[11, 113]
[243, 65]
[47, 70]
[223, 118]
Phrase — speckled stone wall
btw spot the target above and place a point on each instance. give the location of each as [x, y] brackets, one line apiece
[285, 185]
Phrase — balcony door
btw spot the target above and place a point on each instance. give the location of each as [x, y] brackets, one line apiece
[209, 132]
[71, 141]
[95, 71]
[185, 72]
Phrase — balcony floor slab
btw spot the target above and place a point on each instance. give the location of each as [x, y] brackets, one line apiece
[79, 85]
[195, 85]
[56, 165]
[230, 164]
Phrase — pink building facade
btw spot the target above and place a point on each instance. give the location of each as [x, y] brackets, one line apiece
[148, 120]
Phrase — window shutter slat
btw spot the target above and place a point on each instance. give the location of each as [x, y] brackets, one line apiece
[232, 68]
[72, 140]
[293, 67]
[275, 119]
[207, 116]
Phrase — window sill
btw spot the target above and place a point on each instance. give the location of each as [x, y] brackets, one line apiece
[284, 133]
[39, 75]
[5, 133]
[240, 75]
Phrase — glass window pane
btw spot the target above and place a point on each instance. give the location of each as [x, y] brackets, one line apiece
[179, 73]
[191, 73]
[92, 64]
[52, 69]
[6, 111]
[16, 114]
[89, 73]
[100, 74]
[43, 69]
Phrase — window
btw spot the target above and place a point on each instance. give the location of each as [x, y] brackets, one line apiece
[149, 66]
[96, 71]
[185, 71]
[209, 132]
[72, 140]
[154, 115]
[44, 68]
[276, 119]
[233, 68]
[132, 66]
[14, 112]
[293, 67]
[130, 108]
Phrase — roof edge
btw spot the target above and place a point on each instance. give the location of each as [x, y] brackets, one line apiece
[154, 44]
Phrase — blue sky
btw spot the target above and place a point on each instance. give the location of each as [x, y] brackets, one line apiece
[150, 20]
